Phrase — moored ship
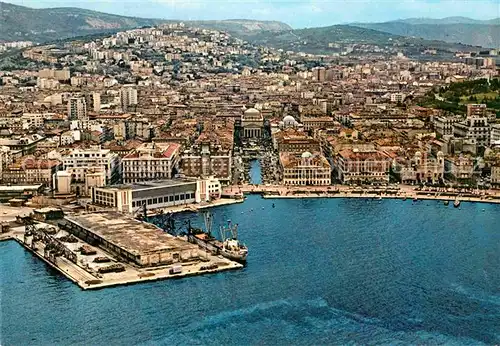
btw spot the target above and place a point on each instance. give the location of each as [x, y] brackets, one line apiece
[229, 245]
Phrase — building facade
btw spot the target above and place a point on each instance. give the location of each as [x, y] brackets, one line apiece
[133, 198]
[29, 171]
[78, 162]
[77, 108]
[305, 169]
[460, 167]
[444, 124]
[252, 123]
[151, 161]
[205, 159]
[475, 126]
[362, 166]
[128, 98]
[421, 168]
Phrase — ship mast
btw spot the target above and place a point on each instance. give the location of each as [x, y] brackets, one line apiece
[208, 222]
[230, 229]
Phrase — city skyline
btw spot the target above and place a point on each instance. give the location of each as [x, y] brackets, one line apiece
[313, 13]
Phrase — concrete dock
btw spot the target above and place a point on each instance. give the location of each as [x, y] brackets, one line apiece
[131, 275]
[156, 258]
[195, 207]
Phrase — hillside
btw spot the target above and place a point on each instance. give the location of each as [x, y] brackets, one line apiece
[448, 20]
[317, 40]
[42, 25]
[241, 27]
[477, 34]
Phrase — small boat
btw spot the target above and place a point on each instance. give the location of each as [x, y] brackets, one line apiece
[415, 199]
[379, 198]
[446, 202]
[456, 204]
[404, 198]
[273, 205]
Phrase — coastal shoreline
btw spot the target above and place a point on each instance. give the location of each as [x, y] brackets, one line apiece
[376, 196]
[340, 191]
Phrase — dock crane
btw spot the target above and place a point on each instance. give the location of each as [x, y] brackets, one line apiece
[53, 247]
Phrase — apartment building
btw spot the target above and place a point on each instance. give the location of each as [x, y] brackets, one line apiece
[362, 166]
[151, 161]
[31, 121]
[460, 167]
[128, 98]
[444, 124]
[475, 126]
[320, 122]
[79, 162]
[30, 170]
[93, 101]
[77, 108]
[495, 134]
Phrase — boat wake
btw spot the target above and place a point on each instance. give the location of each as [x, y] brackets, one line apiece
[308, 322]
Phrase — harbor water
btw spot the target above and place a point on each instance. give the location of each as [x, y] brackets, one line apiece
[320, 271]
[255, 172]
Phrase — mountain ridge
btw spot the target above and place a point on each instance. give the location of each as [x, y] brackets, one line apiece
[20, 23]
[447, 20]
[48, 24]
[451, 29]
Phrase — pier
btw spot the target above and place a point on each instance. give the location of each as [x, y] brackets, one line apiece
[100, 250]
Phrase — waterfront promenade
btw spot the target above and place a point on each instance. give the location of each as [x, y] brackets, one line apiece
[343, 191]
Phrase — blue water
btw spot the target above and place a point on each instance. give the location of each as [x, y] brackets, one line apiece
[255, 172]
[320, 272]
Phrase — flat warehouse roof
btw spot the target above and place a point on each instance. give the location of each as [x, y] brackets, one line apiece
[150, 184]
[135, 237]
[160, 183]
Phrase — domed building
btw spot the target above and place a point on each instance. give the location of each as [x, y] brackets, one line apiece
[289, 121]
[287, 124]
[252, 123]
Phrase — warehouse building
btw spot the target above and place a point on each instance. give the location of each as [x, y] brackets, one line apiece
[136, 242]
[131, 198]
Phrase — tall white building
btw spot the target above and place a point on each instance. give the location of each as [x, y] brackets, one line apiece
[79, 162]
[495, 134]
[475, 127]
[77, 108]
[128, 97]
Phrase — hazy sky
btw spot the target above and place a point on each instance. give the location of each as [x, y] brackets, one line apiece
[297, 13]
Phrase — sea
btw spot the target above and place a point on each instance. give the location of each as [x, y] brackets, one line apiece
[319, 272]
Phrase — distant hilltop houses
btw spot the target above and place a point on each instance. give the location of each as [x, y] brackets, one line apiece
[181, 110]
